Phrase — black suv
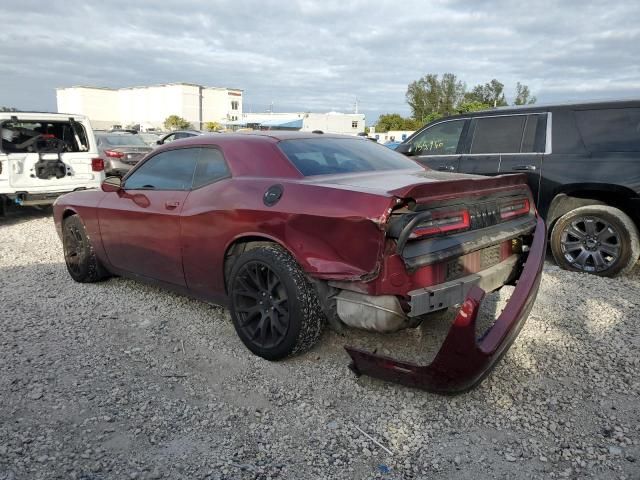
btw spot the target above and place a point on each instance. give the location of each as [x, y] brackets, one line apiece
[583, 165]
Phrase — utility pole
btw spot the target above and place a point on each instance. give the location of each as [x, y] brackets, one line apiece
[355, 105]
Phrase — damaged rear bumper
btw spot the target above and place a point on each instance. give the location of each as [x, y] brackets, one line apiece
[463, 361]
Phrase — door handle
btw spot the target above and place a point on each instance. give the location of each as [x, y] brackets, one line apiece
[448, 168]
[525, 168]
[171, 205]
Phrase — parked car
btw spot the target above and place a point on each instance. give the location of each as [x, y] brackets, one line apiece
[583, 166]
[293, 229]
[149, 138]
[120, 151]
[44, 155]
[177, 135]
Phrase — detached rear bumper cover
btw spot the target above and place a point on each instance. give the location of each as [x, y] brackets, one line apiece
[463, 361]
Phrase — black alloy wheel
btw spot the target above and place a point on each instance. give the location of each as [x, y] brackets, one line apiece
[590, 244]
[75, 247]
[274, 307]
[81, 260]
[597, 239]
[261, 303]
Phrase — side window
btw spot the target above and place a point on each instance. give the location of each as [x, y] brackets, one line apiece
[440, 139]
[612, 129]
[529, 136]
[172, 170]
[498, 134]
[170, 138]
[211, 167]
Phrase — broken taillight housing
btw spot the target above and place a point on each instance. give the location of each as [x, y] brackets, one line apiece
[97, 164]
[443, 222]
[113, 154]
[514, 208]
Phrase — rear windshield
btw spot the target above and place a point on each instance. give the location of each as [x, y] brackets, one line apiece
[43, 136]
[124, 140]
[610, 130]
[327, 156]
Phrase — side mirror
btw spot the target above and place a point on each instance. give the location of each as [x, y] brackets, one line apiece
[158, 142]
[405, 149]
[112, 184]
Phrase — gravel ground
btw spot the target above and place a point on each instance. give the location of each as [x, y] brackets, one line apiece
[121, 380]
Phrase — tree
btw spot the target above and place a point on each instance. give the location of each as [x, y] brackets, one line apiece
[429, 96]
[523, 96]
[174, 122]
[8, 109]
[491, 94]
[467, 106]
[212, 126]
[395, 121]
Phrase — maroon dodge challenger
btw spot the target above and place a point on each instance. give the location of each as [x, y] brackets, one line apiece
[293, 230]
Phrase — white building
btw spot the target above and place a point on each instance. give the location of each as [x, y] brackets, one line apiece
[150, 106]
[332, 122]
[391, 135]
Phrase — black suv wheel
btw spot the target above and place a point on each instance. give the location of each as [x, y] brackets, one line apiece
[596, 239]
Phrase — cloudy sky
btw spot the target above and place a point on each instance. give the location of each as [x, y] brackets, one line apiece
[319, 55]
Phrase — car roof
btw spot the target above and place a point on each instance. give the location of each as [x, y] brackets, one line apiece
[534, 108]
[49, 116]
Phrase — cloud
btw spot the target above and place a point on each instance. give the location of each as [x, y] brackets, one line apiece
[318, 56]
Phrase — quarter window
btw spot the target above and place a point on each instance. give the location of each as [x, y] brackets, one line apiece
[440, 139]
[610, 130]
[211, 167]
[172, 170]
[498, 134]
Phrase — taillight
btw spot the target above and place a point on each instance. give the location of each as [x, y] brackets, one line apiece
[443, 222]
[514, 208]
[113, 154]
[97, 164]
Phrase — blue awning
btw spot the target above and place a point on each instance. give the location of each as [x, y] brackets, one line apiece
[282, 123]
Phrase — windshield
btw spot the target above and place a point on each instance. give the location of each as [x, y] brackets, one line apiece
[124, 140]
[327, 156]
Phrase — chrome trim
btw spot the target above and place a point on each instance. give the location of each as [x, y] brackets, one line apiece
[547, 148]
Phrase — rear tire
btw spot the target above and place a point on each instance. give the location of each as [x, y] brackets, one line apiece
[81, 260]
[596, 239]
[274, 308]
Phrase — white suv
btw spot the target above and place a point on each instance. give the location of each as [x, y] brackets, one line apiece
[44, 155]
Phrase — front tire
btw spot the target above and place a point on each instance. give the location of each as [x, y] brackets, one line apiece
[274, 308]
[596, 239]
[81, 260]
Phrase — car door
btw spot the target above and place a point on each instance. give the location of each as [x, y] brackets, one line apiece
[533, 147]
[205, 224]
[489, 138]
[438, 146]
[140, 225]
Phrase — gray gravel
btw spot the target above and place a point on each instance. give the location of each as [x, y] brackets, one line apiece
[121, 380]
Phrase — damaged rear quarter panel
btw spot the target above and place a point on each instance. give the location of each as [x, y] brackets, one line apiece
[332, 233]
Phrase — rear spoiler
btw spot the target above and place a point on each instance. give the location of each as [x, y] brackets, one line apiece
[456, 186]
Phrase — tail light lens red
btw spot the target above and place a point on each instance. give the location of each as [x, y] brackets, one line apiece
[113, 154]
[443, 222]
[97, 164]
[514, 208]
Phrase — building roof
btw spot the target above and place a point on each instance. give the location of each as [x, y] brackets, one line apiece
[283, 123]
[149, 86]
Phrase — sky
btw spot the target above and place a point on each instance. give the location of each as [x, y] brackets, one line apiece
[319, 56]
